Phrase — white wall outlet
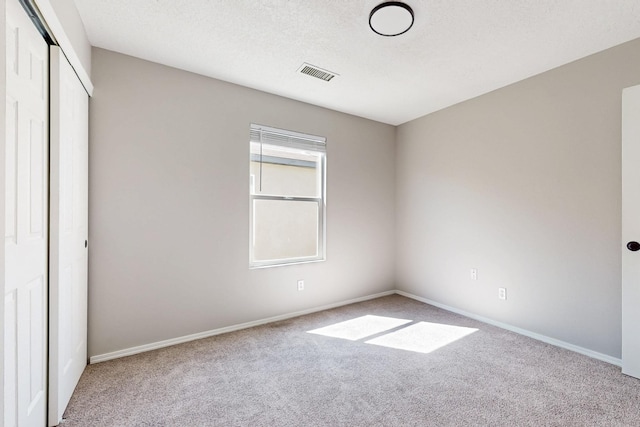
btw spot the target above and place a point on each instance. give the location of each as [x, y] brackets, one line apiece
[301, 285]
[474, 274]
[502, 293]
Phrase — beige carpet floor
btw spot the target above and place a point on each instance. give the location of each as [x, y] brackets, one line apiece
[391, 361]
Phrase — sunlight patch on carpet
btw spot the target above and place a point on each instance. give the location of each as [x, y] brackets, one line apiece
[360, 327]
[423, 337]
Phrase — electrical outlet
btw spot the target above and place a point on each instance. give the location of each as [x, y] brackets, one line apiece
[301, 285]
[474, 274]
[502, 293]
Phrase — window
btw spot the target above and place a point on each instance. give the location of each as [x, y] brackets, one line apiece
[287, 197]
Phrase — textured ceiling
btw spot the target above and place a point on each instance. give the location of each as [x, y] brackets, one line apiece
[456, 49]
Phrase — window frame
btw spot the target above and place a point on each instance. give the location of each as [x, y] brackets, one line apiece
[295, 141]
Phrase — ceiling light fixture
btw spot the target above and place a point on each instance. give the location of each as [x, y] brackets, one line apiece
[391, 18]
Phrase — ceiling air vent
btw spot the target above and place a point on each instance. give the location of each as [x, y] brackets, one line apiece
[314, 71]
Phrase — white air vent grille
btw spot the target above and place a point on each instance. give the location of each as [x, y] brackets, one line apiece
[316, 72]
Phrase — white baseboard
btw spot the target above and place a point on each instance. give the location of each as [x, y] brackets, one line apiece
[539, 337]
[179, 340]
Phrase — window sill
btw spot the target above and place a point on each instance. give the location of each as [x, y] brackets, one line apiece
[284, 264]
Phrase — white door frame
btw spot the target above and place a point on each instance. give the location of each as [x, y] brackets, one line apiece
[3, 131]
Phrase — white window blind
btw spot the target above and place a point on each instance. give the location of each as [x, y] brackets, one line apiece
[286, 138]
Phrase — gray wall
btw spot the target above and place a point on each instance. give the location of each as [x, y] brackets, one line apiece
[169, 205]
[523, 184]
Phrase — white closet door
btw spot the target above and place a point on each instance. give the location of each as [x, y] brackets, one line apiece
[26, 209]
[631, 231]
[68, 247]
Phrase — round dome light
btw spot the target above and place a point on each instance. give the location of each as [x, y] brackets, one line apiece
[391, 18]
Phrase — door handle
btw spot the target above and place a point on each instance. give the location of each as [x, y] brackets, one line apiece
[633, 246]
[86, 243]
